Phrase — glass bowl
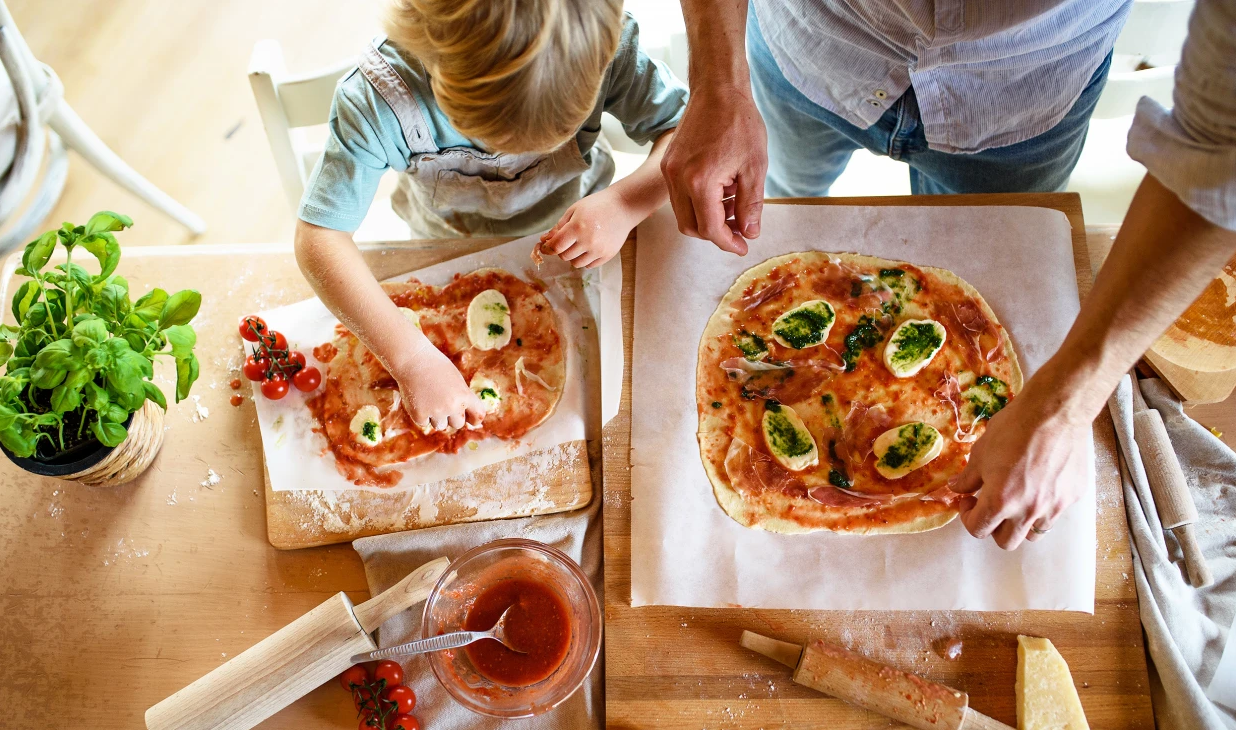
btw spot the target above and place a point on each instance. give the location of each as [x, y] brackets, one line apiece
[457, 590]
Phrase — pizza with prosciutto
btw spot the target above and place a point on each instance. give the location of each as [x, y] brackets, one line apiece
[499, 330]
[842, 392]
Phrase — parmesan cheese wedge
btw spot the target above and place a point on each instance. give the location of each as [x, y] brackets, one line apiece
[1046, 696]
[366, 426]
[487, 391]
[411, 315]
[901, 450]
[489, 321]
[805, 325]
[912, 345]
[788, 439]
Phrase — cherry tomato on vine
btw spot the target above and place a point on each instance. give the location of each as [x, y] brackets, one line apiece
[275, 387]
[386, 669]
[353, 675]
[294, 359]
[362, 698]
[275, 340]
[307, 380]
[251, 327]
[402, 696]
[368, 722]
[254, 368]
[403, 722]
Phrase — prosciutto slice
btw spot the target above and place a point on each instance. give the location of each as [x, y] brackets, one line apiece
[949, 392]
[789, 381]
[859, 431]
[970, 321]
[754, 472]
[755, 299]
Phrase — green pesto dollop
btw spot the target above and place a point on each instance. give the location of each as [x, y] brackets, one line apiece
[903, 287]
[912, 440]
[751, 345]
[987, 397]
[496, 329]
[864, 335]
[838, 479]
[805, 326]
[783, 437]
[914, 342]
[370, 431]
[488, 394]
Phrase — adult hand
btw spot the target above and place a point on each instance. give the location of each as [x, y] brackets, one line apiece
[1024, 469]
[715, 167]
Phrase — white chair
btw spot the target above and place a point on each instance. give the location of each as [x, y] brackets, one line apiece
[1143, 64]
[40, 102]
[290, 106]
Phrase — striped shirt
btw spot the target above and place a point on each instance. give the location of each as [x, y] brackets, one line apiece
[990, 74]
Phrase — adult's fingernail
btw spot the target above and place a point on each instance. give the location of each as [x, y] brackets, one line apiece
[752, 230]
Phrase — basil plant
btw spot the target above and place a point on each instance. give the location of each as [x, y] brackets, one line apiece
[80, 359]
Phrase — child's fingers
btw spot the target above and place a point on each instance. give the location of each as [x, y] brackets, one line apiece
[585, 262]
[576, 250]
[599, 261]
[560, 243]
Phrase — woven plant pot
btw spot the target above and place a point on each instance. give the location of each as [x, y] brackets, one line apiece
[102, 466]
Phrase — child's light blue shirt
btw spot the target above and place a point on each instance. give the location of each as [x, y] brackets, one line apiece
[365, 137]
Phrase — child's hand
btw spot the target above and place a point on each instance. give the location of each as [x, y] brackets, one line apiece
[435, 394]
[592, 230]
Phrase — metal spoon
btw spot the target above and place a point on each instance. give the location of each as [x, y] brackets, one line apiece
[452, 640]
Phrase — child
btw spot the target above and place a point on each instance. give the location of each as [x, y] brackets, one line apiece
[492, 110]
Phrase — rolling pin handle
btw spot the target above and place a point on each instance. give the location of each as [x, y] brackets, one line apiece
[413, 589]
[1195, 563]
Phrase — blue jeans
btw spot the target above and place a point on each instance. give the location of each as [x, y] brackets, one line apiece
[809, 146]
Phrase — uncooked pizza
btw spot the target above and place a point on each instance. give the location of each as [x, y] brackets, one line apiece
[843, 392]
[499, 330]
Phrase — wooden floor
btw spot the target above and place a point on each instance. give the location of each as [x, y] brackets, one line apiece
[165, 85]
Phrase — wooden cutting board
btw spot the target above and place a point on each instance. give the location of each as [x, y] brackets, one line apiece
[677, 668]
[1203, 339]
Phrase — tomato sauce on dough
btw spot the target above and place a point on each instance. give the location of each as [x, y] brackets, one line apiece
[539, 625]
[353, 377]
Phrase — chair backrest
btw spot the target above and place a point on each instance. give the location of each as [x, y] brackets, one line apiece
[1153, 37]
[287, 103]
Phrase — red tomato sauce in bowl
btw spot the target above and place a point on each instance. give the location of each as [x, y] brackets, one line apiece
[538, 625]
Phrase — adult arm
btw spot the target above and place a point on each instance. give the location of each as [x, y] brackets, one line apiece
[1178, 234]
[721, 147]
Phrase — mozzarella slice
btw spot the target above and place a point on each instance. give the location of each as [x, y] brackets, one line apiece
[366, 425]
[805, 325]
[489, 321]
[912, 345]
[487, 391]
[751, 345]
[411, 315]
[788, 439]
[901, 450]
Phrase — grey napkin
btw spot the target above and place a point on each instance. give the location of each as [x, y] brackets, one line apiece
[388, 558]
[1186, 628]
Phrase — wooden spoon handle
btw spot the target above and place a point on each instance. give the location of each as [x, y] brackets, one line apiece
[403, 595]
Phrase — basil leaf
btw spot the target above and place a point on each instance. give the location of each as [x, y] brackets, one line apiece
[113, 303]
[27, 294]
[183, 338]
[57, 356]
[46, 378]
[117, 413]
[90, 332]
[104, 248]
[68, 395]
[155, 394]
[186, 375]
[20, 441]
[38, 252]
[105, 220]
[109, 433]
[150, 306]
[180, 308]
[8, 417]
[96, 397]
[6, 351]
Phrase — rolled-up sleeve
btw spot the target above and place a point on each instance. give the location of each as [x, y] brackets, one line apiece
[346, 177]
[1191, 148]
[642, 93]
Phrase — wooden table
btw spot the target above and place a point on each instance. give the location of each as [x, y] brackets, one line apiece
[670, 667]
[114, 598]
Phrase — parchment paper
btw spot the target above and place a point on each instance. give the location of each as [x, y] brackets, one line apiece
[297, 458]
[687, 552]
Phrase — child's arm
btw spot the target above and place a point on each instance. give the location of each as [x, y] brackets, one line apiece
[434, 393]
[594, 229]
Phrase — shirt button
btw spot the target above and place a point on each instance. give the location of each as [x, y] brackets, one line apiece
[873, 102]
[881, 94]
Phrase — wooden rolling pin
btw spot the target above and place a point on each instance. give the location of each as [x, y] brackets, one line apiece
[286, 665]
[1168, 485]
[873, 686]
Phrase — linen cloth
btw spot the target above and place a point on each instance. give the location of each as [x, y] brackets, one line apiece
[388, 558]
[1186, 628]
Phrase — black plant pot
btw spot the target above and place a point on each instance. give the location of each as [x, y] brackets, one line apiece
[74, 460]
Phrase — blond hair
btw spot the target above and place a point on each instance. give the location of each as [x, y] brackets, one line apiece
[516, 75]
